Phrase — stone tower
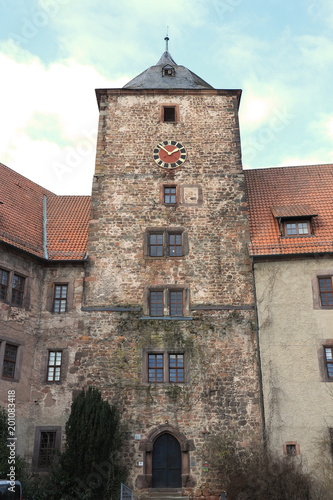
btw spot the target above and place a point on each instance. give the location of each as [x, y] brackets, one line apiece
[168, 304]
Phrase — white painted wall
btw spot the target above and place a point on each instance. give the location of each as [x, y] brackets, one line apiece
[292, 330]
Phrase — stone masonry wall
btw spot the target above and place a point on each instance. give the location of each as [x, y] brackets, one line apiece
[220, 394]
[126, 201]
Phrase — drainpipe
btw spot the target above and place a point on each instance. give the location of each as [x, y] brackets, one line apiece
[46, 256]
[261, 395]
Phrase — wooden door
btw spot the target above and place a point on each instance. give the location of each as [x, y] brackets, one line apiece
[166, 462]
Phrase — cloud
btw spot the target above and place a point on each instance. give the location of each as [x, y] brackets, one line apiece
[55, 119]
[111, 37]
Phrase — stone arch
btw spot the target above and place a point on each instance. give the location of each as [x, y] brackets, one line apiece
[147, 445]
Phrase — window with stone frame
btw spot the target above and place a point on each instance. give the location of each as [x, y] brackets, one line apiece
[170, 195]
[164, 367]
[47, 445]
[169, 113]
[291, 449]
[60, 298]
[328, 354]
[54, 366]
[166, 303]
[325, 284]
[10, 360]
[17, 290]
[4, 281]
[165, 242]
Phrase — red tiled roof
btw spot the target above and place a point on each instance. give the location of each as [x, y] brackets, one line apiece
[290, 191]
[67, 227]
[22, 219]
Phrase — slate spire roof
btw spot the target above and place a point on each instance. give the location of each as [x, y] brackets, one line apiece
[156, 77]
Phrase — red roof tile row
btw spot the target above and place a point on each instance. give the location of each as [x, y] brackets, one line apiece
[40, 222]
[275, 193]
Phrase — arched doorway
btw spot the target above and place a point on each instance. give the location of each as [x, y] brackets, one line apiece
[167, 469]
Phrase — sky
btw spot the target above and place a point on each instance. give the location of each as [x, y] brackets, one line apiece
[55, 53]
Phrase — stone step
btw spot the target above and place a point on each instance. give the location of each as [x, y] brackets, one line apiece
[165, 494]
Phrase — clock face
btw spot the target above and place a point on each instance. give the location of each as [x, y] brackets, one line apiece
[169, 154]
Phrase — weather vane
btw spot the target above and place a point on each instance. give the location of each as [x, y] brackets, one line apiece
[167, 40]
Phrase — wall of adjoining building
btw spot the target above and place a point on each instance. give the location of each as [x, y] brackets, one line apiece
[293, 328]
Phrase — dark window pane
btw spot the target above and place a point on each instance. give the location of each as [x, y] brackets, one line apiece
[176, 368]
[169, 195]
[291, 229]
[169, 114]
[291, 449]
[303, 228]
[329, 361]
[9, 361]
[155, 367]
[46, 449]
[60, 298]
[18, 289]
[176, 303]
[4, 276]
[175, 245]
[326, 291]
[156, 244]
[54, 366]
[156, 303]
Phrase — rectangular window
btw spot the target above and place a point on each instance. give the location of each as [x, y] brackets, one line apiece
[169, 114]
[176, 303]
[17, 290]
[9, 361]
[329, 361]
[155, 367]
[176, 368]
[60, 298]
[167, 301]
[175, 245]
[4, 278]
[47, 449]
[326, 291]
[156, 244]
[164, 366]
[47, 443]
[156, 303]
[169, 195]
[291, 450]
[167, 243]
[54, 366]
[297, 228]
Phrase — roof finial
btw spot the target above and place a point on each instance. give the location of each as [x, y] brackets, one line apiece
[167, 40]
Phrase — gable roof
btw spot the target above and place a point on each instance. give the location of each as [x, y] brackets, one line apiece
[152, 78]
[290, 192]
[39, 222]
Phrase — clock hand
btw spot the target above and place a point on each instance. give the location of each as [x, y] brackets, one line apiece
[159, 146]
[171, 152]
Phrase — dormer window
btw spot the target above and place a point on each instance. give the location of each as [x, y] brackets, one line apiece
[168, 70]
[294, 221]
[297, 228]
